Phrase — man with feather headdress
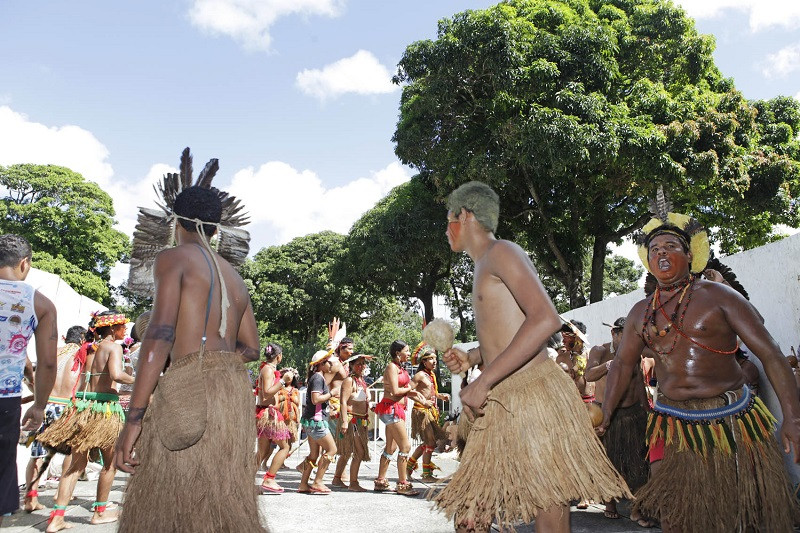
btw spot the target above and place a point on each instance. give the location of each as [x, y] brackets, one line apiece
[192, 464]
[720, 466]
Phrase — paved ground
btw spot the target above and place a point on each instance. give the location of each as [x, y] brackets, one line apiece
[341, 511]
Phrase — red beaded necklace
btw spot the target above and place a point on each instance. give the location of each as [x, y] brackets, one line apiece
[676, 320]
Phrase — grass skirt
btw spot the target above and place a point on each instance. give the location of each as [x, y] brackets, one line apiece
[738, 488]
[424, 423]
[625, 444]
[355, 440]
[207, 487]
[92, 420]
[270, 424]
[533, 450]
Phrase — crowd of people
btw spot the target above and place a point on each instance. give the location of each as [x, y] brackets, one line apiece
[664, 414]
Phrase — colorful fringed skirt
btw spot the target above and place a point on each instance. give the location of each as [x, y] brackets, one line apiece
[722, 469]
[270, 424]
[533, 450]
[91, 420]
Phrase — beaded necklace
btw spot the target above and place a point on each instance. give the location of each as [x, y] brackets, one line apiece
[673, 323]
[675, 320]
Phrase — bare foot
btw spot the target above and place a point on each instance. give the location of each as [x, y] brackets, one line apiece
[337, 482]
[355, 487]
[32, 504]
[318, 488]
[57, 524]
[107, 516]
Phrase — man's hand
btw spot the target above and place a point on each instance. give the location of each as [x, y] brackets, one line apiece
[124, 453]
[790, 435]
[713, 275]
[456, 360]
[473, 397]
[603, 427]
[33, 419]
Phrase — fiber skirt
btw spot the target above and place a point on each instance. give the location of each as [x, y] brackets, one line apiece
[91, 420]
[533, 450]
[722, 474]
[206, 487]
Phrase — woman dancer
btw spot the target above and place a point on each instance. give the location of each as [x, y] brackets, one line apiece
[392, 412]
[353, 428]
[289, 402]
[269, 420]
[315, 424]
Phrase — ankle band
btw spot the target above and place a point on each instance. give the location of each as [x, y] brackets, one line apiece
[386, 455]
[33, 493]
[269, 476]
[99, 507]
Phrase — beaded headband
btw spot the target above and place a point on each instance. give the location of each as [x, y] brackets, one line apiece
[109, 320]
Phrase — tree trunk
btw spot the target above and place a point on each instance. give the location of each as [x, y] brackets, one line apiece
[426, 297]
[598, 269]
[462, 321]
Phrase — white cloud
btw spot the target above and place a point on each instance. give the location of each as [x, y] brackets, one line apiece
[288, 203]
[24, 141]
[783, 62]
[361, 73]
[763, 14]
[249, 21]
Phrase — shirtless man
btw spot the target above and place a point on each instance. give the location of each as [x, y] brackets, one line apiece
[723, 472]
[624, 440]
[103, 370]
[521, 391]
[202, 319]
[67, 374]
[425, 415]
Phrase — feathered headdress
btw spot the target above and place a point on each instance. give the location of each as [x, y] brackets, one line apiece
[421, 351]
[155, 228]
[684, 227]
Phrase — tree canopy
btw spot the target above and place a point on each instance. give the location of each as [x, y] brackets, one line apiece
[575, 111]
[399, 246]
[68, 222]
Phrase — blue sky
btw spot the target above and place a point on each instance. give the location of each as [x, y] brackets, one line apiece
[293, 96]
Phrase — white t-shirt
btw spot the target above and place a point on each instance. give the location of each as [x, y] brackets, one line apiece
[17, 323]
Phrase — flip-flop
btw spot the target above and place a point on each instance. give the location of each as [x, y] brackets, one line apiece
[313, 490]
[611, 514]
[271, 490]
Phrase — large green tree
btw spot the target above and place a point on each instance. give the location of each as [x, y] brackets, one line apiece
[576, 110]
[68, 222]
[293, 289]
[399, 246]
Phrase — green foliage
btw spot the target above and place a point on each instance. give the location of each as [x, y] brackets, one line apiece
[575, 111]
[399, 246]
[68, 222]
[621, 275]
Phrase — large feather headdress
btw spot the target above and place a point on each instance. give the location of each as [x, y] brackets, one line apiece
[685, 227]
[155, 228]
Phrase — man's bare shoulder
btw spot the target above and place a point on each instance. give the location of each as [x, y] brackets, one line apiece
[598, 352]
[507, 254]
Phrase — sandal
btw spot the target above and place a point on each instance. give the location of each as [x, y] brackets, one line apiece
[406, 489]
